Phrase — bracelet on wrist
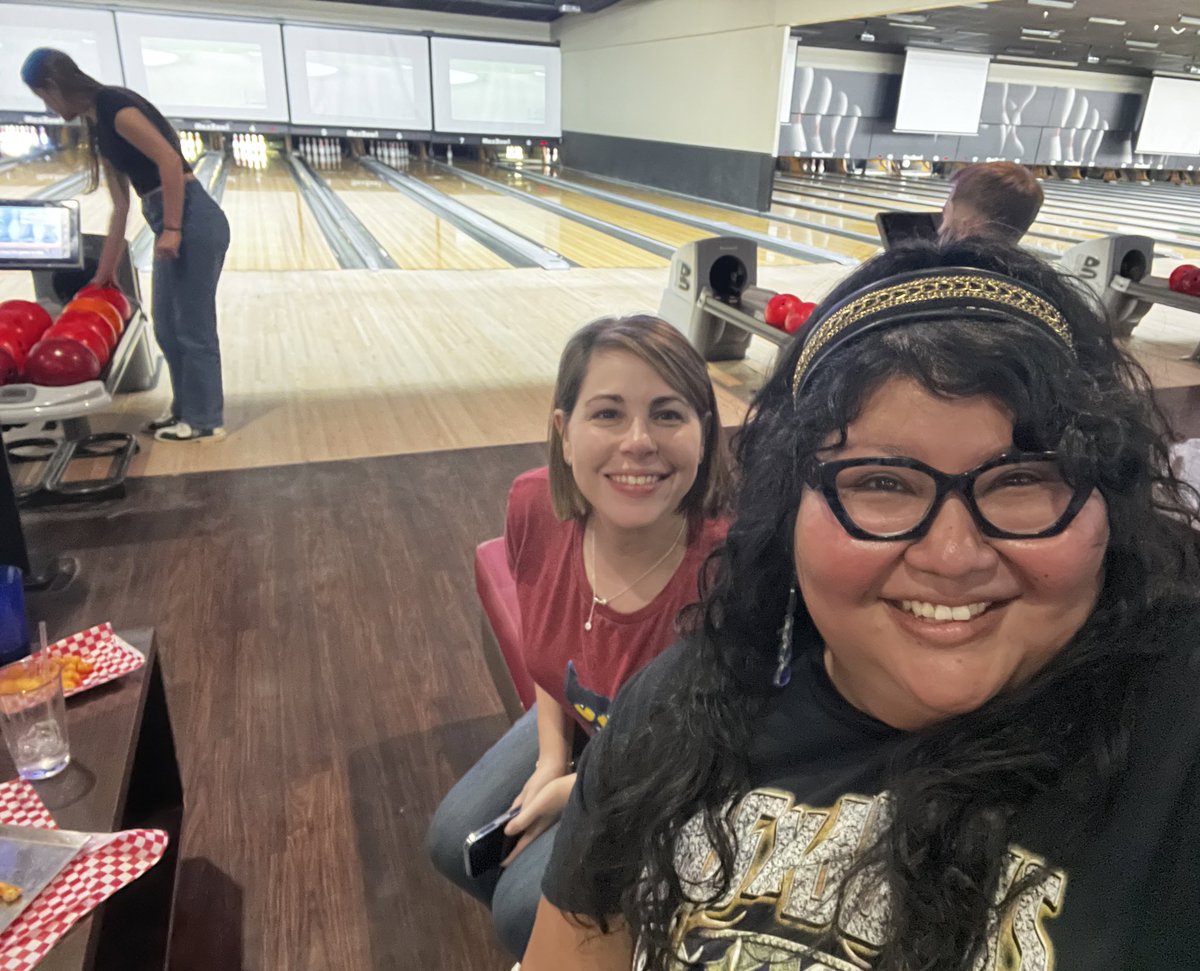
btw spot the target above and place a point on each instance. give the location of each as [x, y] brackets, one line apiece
[172, 229]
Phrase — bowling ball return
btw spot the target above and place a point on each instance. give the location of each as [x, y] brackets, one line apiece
[68, 409]
[1117, 270]
[711, 297]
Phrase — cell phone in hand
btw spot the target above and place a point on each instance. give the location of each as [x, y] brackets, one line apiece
[487, 846]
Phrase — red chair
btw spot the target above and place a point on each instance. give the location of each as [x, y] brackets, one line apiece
[501, 627]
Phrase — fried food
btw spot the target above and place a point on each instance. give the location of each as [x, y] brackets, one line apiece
[9, 894]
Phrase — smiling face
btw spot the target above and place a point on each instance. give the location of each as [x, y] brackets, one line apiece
[633, 442]
[1026, 598]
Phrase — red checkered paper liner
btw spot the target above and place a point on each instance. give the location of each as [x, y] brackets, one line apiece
[108, 862]
[112, 656]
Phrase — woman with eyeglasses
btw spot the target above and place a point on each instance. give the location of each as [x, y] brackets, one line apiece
[940, 708]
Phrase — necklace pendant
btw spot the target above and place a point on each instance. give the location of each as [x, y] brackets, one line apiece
[599, 601]
[587, 625]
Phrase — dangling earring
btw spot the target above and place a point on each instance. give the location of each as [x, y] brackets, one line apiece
[783, 670]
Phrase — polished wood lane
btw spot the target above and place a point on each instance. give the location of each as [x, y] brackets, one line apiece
[1062, 215]
[318, 630]
[857, 249]
[271, 227]
[416, 238]
[23, 180]
[581, 244]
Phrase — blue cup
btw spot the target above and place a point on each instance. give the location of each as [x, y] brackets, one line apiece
[14, 628]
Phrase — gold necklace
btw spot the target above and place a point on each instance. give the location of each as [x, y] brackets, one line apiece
[605, 601]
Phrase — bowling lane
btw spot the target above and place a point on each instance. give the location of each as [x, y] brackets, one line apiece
[789, 200]
[1059, 218]
[858, 249]
[416, 238]
[271, 227]
[23, 180]
[579, 243]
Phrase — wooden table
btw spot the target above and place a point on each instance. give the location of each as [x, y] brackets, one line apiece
[123, 775]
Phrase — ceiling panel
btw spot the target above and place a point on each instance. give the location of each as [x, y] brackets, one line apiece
[1141, 37]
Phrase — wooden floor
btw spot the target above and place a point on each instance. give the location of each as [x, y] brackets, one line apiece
[318, 633]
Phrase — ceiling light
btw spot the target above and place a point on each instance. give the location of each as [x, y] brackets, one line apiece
[1043, 40]
[1145, 45]
[912, 26]
[1194, 68]
[1039, 32]
[908, 18]
[1060, 4]
[1014, 59]
[867, 37]
[1111, 21]
[569, 8]
[1178, 30]
[1118, 60]
[1189, 21]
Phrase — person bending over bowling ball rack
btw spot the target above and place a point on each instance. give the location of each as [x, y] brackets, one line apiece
[941, 707]
[138, 147]
[606, 546]
[995, 200]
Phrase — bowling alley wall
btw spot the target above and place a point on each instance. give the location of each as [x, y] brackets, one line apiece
[843, 106]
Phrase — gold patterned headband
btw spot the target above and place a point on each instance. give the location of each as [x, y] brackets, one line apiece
[921, 295]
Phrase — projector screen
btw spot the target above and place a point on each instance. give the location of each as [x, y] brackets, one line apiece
[1169, 122]
[487, 88]
[89, 36]
[194, 67]
[941, 92]
[358, 78]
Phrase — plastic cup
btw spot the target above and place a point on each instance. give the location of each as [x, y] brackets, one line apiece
[33, 716]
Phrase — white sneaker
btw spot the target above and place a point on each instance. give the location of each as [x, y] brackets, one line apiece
[181, 431]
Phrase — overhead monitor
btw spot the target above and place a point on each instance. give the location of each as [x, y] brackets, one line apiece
[941, 92]
[1169, 122]
[36, 235]
[357, 78]
[197, 67]
[89, 36]
[489, 88]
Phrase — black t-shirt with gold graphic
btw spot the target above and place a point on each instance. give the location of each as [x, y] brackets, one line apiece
[1124, 898]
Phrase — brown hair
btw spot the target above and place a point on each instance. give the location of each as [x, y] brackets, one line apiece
[45, 67]
[680, 365]
[1005, 194]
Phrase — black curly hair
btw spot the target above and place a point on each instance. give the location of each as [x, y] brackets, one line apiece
[957, 786]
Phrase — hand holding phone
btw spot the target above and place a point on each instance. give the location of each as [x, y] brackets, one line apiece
[484, 849]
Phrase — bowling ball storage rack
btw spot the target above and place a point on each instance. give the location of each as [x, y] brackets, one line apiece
[69, 409]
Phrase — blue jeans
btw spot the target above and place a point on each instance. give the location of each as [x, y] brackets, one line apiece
[486, 791]
[185, 306]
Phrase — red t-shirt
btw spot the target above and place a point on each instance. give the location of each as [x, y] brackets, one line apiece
[583, 670]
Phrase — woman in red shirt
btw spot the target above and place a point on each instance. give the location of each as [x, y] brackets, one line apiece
[606, 545]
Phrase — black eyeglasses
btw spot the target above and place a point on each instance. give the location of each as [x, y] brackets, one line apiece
[1021, 495]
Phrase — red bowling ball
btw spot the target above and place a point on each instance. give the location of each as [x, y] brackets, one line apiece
[57, 362]
[798, 318]
[778, 308]
[25, 318]
[88, 316]
[9, 372]
[1179, 275]
[11, 345]
[111, 296]
[90, 334]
